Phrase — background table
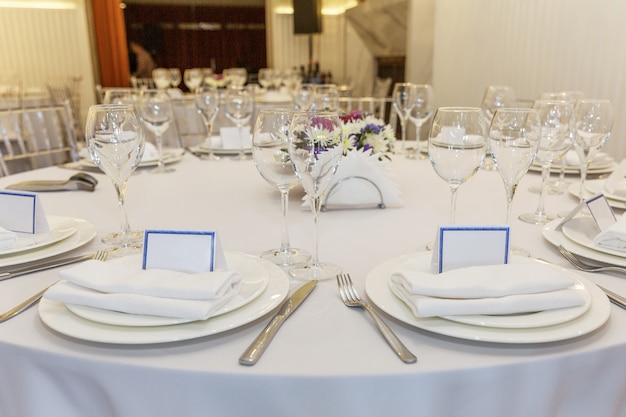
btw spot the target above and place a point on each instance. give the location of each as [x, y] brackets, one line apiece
[327, 360]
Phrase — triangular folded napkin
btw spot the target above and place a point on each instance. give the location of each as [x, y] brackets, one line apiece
[614, 237]
[8, 239]
[155, 292]
[492, 289]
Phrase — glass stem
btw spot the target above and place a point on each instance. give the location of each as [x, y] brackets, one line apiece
[584, 168]
[159, 142]
[240, 132]
[284, 201]
[453, 203]
[545, 173]
[316, 204]
[510, 192]
[125, 231]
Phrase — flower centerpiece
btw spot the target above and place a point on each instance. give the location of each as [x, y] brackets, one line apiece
[363, 131]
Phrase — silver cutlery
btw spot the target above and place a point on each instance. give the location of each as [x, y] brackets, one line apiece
[26, 304]
[351, 298]
[47, 264]
[258, 346]
[78, 182]
[581, 265]
[614, 297]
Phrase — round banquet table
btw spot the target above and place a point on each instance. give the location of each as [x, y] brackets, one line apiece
[327, 359]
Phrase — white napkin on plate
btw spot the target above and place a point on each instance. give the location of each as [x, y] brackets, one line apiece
[491, 289]
[8, 239]
[616, 182]
[614, 237]
[155, 292]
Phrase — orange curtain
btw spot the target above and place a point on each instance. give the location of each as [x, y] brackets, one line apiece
[108, 18]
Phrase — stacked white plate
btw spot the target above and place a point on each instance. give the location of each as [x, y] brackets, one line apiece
[601, 164]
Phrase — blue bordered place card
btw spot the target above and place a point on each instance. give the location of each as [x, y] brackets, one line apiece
[463, 246]
[600, 210]
[22, 212]
[183, 250]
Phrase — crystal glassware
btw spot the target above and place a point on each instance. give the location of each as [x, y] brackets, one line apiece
[238, 107]
[557, 132]
[422, 110]
[156, 113]
[456, 146]
[304, 96]
[403, 101]
[175, 77]
[161, 78]
[495, 97]
[207, 103]
[315, 150]
[270, 140]
[115, 142]
[193, 77]
[326, 97]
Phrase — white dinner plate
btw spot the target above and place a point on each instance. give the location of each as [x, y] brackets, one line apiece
[557, 237]
[218, 150]
[518, 321]
[56, 316]
[254, 281]
[377, 288]
[602, 164]
[60, 228]
[593, 188]
[596, 187]
[85, 232]
[583, 230]
[169, 156]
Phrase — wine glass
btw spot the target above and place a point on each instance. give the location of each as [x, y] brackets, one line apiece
[304, 96]
[593, 122]
[238, 107]
[237, 77]
[193, 77]
[161, 78]
[403, 102]
[156, 112]
[266, 77]
[556, 138]
[315, 149]
[514, 136]
[326, 97]
[456, 146]
[270, 152]
[115, 142]
[495, 97]
[207, 103]
[175, 77]
[422, 109]
[119, 96]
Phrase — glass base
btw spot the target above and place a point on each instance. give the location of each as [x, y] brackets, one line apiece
[534, 218]
[241, 157]
[517, 251]
[288, 257]
[162, 169]
[133, 240]
[310, 272]
[210, 157]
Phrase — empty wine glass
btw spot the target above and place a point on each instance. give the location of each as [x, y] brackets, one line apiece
[303, 96]
[422, 109]
[495, 97]
[238, 107]
[456, 146]
[115, 142]
[270, 152]
[237, 77]
[193, 77]
[266, 77]
[514, 136]
[403, 102]
[175, 77]
[119, 96]
[161, 78]
[326, 97]
[207, 103]
[315, 149]
[156, 112]
[593, 123]
[556, 138]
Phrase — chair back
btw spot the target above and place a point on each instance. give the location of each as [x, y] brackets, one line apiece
[35, 137]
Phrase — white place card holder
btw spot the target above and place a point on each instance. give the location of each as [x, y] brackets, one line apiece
[22, 212]
[463, 246]
[181, 250]
[599, 208]
[230, 138]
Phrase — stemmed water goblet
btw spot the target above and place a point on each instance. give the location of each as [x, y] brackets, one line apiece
[115, 142]
[303, 96]
[161, 78]
[495, 97]
[266, 78]
[270, 152]
[422, 109]
[315, 150]
[238, 107]
[403, 102]
[514, 136]
[556, 138]
[156, 112]
[456, 146]
[593, 123]
[119, 96]
[193, 77]
[207, 103]
[326, 97]
[175, 77]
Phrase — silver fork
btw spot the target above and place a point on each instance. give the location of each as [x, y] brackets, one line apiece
[351, 298]
[25, 305]
[574, 260]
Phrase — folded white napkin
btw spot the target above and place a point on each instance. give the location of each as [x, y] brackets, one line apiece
[616, 182]
[8, 239]
[614, 237]
[492, 289]
[154, 292]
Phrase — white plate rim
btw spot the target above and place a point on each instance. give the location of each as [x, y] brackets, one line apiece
[597, 187]
[58, 318]
[570, 231]
[571, 170]
[55, 222]
[574, 189]
[379, 293]
[255, 282]
[85, 233]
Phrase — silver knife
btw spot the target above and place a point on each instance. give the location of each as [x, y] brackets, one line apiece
[258, 346]
[81, 181]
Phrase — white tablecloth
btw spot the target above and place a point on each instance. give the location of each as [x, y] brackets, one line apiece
[327, 360]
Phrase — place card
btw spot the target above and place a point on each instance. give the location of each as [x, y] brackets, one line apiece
[463, 246]
[230, 138]
[599, 208]
[181, 250]
[22, 212]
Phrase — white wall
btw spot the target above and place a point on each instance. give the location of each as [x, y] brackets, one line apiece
[534, 46]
